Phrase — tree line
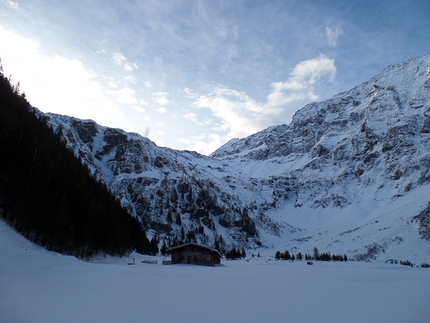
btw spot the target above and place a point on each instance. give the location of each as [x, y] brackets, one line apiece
[49, 196]
[323, 256]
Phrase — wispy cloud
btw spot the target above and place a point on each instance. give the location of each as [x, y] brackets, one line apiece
[301, 84]
[10, 4]
[130, 67]
[332, 34]
[161, 98]
[204, 143]
[143, 102]
[118, 58]
[240, 115]
[206, 67]
[138, 108]
[161, 110]
[112, 85]
[190, 93]
[126, 95]
[193, 118]
[55, 80]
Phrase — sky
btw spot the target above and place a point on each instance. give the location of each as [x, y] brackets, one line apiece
[191, 75]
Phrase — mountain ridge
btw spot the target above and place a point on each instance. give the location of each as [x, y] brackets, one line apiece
[370, 143]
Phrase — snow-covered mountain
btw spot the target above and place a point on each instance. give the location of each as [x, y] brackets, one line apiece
[348, 175]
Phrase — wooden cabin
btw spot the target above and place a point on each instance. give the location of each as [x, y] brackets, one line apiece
[193, 253]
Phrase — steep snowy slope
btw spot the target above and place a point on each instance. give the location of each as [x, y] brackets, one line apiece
[346, 175]
[177, 194]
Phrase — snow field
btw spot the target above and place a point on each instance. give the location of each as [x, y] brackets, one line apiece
[41, 286]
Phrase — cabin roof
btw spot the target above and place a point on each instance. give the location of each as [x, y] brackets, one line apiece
[196, 245]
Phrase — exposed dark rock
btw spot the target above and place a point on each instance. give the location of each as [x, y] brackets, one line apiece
[424, 223]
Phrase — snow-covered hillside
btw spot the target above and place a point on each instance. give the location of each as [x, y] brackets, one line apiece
[41, 286]
[347, 175]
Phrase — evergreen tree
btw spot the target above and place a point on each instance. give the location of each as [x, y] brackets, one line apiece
[48, 195]
[182, 233]
[163, 248]
[316, 254]
[243, 253]
[216, 244]
[169, 217]
[235, 254]
[190, 195]
[154, 245]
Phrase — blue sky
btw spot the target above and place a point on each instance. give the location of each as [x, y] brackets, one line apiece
[198, 73]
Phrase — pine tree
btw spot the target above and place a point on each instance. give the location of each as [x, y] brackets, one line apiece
[163, 248]
[243, 253]
[154, 245]
[316, 254]
[169, 217]
[216, 244]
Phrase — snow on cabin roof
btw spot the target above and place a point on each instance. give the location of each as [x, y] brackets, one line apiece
[196, 245]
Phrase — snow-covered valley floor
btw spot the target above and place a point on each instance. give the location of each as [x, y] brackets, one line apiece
[41, 286]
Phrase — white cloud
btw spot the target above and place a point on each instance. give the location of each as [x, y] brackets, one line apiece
[332, 34]
[161, 110]
[189, 93]
[161, 98]
[186, 141]
[118, 58]
[112, 85]
[10, 4]
[56, 83]
[143, 102]
[129, 67]
[301, 84]
[310, 70]
[126, 95]
[130, 79]
[204, 144]
[241, 116]
[192, 117]
[138, 109]
[148, 85]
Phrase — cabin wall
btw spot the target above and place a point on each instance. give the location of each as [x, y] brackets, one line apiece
[195, 255]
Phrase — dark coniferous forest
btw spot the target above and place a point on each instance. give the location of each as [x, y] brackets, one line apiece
[49, 196]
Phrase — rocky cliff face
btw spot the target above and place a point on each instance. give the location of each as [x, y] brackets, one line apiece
[378, 132]
[174, 193]
[371, 143]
